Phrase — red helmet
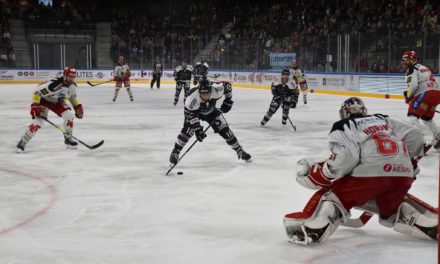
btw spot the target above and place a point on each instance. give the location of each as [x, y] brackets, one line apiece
[294, 63]
[69, 71]
[410, 55]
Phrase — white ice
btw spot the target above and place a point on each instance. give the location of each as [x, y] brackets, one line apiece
[115, 204]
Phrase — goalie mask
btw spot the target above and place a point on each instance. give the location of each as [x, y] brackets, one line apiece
[352, 107]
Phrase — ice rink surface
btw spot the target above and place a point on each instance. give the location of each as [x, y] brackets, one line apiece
[115, 204]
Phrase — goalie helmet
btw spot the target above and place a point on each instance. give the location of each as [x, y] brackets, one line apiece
[352, 107]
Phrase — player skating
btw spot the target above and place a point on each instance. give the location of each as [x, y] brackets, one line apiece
[422, 94]
[297, 73]
[53, 96]
[182, 74]
[201, 105]
[285, 94]
[370, 164]
[122, 76]
[200, 70]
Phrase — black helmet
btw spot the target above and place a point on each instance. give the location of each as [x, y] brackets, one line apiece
[285, 72]
[204, 86]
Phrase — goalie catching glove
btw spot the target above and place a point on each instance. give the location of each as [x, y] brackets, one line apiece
[313, 174]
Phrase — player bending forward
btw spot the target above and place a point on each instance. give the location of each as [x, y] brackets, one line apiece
[200, 105]
[422, 95]
[122, 75]
[52, 96]
[285, 94]
[370, 164]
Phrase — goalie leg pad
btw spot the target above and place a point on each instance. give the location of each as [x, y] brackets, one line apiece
[411, 221]
[319, 219]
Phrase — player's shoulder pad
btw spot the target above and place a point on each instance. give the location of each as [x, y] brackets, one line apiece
[340, 125]
[55, 83]
[276, 82]
[189, 67]
[381, 116]
[206, 65]
[178, 68]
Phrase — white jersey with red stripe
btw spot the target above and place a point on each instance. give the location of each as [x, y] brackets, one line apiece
[373, 146]
[56, 90]
[419, 79]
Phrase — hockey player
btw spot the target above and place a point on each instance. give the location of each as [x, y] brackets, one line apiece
[200, 70]
[157, 73]
[297, 74]
[182, 74]
[53, 96]
[422, 94]
[122, 75]
[285, 94]
[200, 105]
[370, 164]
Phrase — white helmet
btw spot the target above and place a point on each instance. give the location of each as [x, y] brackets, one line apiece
[353, 106]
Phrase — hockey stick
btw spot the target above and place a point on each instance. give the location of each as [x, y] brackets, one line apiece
[89, 83]
[65, 133]
[190, 147]
[293, 126]
[366, 216]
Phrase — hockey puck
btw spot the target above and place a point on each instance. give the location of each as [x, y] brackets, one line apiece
[179, 172]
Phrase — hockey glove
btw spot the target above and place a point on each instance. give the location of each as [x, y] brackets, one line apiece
[405, 94]
[227, 105]
[35, 110]
[79, 111]
[200, 135]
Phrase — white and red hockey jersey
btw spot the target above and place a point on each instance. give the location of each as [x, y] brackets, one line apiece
[373, 146]
[56, 91]
[419, 79]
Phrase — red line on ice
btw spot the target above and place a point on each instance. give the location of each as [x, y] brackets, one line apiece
[53, 197]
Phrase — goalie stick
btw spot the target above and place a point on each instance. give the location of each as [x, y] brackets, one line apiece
[366, 216]
[77, 139]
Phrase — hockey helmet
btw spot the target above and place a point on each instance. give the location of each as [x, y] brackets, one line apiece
[204, 86]
[352, 107]
[285, 72]
[410, 55]
[294, 63]
[69, 71]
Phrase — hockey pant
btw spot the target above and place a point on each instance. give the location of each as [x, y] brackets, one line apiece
[37, 123]
[156, 78]
[284, 102]
[218, 124]
[179, 86]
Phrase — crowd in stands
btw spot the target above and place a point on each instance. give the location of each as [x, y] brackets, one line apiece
[7, 55]
[251, 30]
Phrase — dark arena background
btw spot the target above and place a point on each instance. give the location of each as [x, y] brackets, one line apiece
[110, 154]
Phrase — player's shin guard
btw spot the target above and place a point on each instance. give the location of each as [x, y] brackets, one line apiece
[129, 93]
[176, 96]
[68, 127]
[319, 219]
[435, 132]
[412, 221]
[266, 118]
[30, 132]
[115, 96]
